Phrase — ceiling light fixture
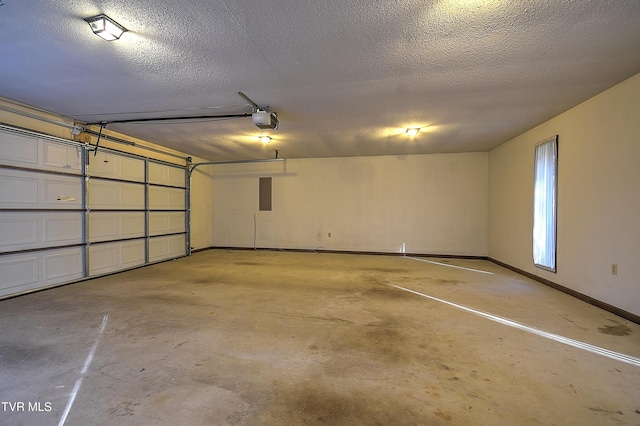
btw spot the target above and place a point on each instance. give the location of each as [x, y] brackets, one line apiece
[413, 131]
[265, 139]
[105, 27]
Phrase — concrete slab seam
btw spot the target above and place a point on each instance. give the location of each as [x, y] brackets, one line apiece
[85, 368]
[561, 339]
[450, 266]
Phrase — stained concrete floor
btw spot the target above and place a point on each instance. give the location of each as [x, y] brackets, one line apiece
[275, 338]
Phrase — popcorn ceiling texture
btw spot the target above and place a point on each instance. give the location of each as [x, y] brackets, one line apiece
[345, 76]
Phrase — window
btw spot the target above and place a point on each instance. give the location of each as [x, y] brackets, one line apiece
[265, 194]
[545, 204]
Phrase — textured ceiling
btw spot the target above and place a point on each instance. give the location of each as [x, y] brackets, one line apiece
[346, 77]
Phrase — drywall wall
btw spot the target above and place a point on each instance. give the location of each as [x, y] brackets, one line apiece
[434, 204]
[201, 207]
[598, 197]
[19, 115]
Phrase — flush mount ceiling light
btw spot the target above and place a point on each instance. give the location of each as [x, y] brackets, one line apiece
[265, 139]
[413, 131]
[105, 27]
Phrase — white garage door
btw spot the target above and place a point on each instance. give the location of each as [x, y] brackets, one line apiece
[67, 214]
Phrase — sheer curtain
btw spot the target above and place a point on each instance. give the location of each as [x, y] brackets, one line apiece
[545, 204]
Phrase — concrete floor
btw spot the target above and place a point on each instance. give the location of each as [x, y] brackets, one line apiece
[245, 337]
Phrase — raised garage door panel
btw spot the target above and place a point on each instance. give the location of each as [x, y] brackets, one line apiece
[18, 231]
[161, 174]
[166, 222]
[161, 248]
[23, 231]
[18, 189]
[27, 151]
[31, 190]
[116, 256]
[18, 150]
[104, 226]
[61, 191]
[19, 272]
[103, 194]
[61, 228]
[29, 271]
[62, 265]
[56, 156]
[115, 166]
[162, 198]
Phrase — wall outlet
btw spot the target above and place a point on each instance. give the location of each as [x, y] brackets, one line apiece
[329, 234]
[614, 269]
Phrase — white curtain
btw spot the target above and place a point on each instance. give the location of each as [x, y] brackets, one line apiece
[545, 204]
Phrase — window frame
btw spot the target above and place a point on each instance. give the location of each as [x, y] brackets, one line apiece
[553, 257]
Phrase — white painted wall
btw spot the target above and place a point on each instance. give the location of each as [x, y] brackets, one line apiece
[201, 207]
[598, 197]
[434, 204]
